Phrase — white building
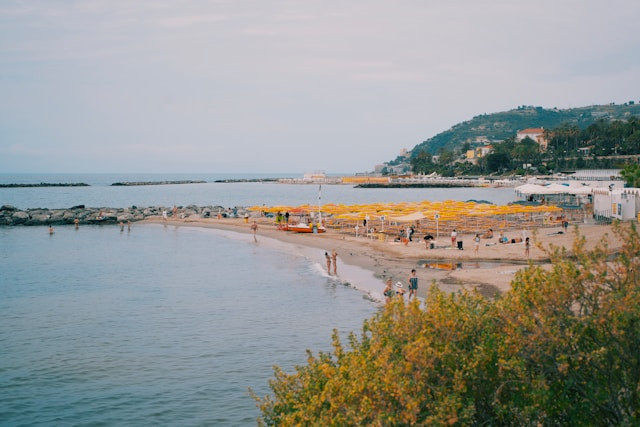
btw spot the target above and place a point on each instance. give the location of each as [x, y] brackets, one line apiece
[536, 134]
[617, 203]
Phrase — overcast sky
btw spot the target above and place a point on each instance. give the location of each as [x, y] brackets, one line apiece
[289, 86]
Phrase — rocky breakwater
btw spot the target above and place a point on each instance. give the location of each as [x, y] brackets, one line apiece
[10, 215]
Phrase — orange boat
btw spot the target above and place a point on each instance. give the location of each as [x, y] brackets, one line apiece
[306, 228]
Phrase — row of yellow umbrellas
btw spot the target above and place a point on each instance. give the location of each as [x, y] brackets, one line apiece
[446, 210]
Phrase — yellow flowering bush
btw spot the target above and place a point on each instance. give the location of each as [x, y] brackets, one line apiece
[561, 348]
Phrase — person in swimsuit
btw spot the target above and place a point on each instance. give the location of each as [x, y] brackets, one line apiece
[328, 258]
[388, 292]
[334, 257]
[413, 283]
[254, 228]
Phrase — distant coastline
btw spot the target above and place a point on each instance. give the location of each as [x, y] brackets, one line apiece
[46, 184]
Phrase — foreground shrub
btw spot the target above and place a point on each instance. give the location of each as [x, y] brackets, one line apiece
[562, 347]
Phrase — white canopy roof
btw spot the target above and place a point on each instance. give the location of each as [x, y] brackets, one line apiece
[528, 189]
[407, 218]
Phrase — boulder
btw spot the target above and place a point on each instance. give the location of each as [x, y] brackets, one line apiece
[19, 217]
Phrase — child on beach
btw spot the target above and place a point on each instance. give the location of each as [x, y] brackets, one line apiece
[413, 283]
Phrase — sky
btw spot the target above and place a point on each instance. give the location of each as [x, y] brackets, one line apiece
[283, 86]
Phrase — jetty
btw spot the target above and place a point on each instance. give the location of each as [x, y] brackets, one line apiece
[45, 184]
[135, 183]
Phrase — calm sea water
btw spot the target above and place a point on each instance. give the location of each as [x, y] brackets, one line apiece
[157, 326]
[167, 325]
[102, 194]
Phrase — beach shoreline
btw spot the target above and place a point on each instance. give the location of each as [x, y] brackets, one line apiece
[490, 271]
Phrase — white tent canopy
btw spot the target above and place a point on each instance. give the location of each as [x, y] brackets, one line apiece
[528, 189]
[407, 218]
[557, 189]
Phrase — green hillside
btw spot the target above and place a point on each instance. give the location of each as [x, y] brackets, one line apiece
[500, 126]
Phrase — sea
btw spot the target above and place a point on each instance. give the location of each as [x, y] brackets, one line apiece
[169, 325]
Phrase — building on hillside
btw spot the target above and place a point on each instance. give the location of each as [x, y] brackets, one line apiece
[379, 168]
[484, 150]
[473, 155]
[536, 134]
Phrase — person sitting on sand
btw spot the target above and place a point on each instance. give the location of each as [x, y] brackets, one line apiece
[488, 234]
[503, 238]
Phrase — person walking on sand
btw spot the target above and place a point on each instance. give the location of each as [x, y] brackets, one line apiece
[413, 284]
[454, 237]
[254, 229]
[334, 258]
[526, 247]
[476, 242]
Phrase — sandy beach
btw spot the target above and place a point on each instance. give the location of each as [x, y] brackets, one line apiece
[490, 271]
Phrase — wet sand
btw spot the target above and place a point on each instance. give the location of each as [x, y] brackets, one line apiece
[490, 271]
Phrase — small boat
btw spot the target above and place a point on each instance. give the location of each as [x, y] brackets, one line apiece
[305, 228]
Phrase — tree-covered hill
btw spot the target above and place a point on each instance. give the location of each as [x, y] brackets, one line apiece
[500, 126]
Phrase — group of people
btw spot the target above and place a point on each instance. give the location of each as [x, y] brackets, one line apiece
[332, 260]
[282, 219]
[389, 291]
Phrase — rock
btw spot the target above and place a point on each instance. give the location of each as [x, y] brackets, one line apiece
[8, 208]
[19, 217]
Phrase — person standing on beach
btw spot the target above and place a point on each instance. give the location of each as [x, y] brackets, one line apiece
[413, 284]
[476, 242]
[76, 222]
[328, 258]
[164, 214]
[174, 212]
[454, 237]
[526, 247]
[334, 258]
